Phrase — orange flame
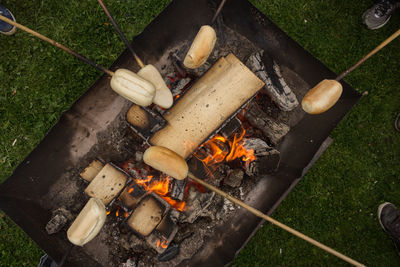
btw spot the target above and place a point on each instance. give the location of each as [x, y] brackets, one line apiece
[161, 188]
[164, 244]
[219, 151]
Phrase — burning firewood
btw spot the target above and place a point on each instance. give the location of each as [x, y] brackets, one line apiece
[267, 158]
[264, 216]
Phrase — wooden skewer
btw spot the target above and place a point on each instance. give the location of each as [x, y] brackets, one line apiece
[325, 94]
[52, 42]
[65, 256]
[117, 28]
[218, 11]
[370, 54]
[271, 220]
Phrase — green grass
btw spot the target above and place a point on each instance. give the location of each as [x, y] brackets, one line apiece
[335, 202]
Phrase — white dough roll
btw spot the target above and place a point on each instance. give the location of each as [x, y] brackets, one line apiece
[163, 96]
[88, 223]
[133, 87]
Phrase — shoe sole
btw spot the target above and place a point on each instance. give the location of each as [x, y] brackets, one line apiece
[377, 27]
[14, 29]
[380, 208]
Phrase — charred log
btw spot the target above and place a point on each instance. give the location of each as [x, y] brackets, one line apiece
[267, 158]
[275, 131]
[178, 189]
[59, 219]
[275, 85]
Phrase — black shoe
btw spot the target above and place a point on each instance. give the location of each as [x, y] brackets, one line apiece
[397, 123]
[389, 218]
[6, 28]
[46, 261]
[379, 14]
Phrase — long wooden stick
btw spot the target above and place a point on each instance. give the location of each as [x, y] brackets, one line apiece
[221, 5]
[52, 42]
[269, 219]
[117, 28]
[370, 54]
[64, 258]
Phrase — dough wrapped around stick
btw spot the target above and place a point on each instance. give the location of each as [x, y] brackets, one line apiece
[201, 47]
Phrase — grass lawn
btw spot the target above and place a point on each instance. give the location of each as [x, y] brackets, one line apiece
[335, 202]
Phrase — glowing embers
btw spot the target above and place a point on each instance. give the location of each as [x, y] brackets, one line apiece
[163, 235]
[160, 185]
[219, 149]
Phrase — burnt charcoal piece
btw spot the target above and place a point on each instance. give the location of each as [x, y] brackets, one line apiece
[166, 228]
[137, 244]
[144, 122]
[138, 156]
[169, 253]
[197, 205]
[234, 179]
[178, 189]
[129, 263]
[275, 131]
[164, 233]
[58, 220]
[231, 127]
[55, 224]
[275, 85]
[267, 158]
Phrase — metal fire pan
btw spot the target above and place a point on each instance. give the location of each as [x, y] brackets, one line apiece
[22, 195]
